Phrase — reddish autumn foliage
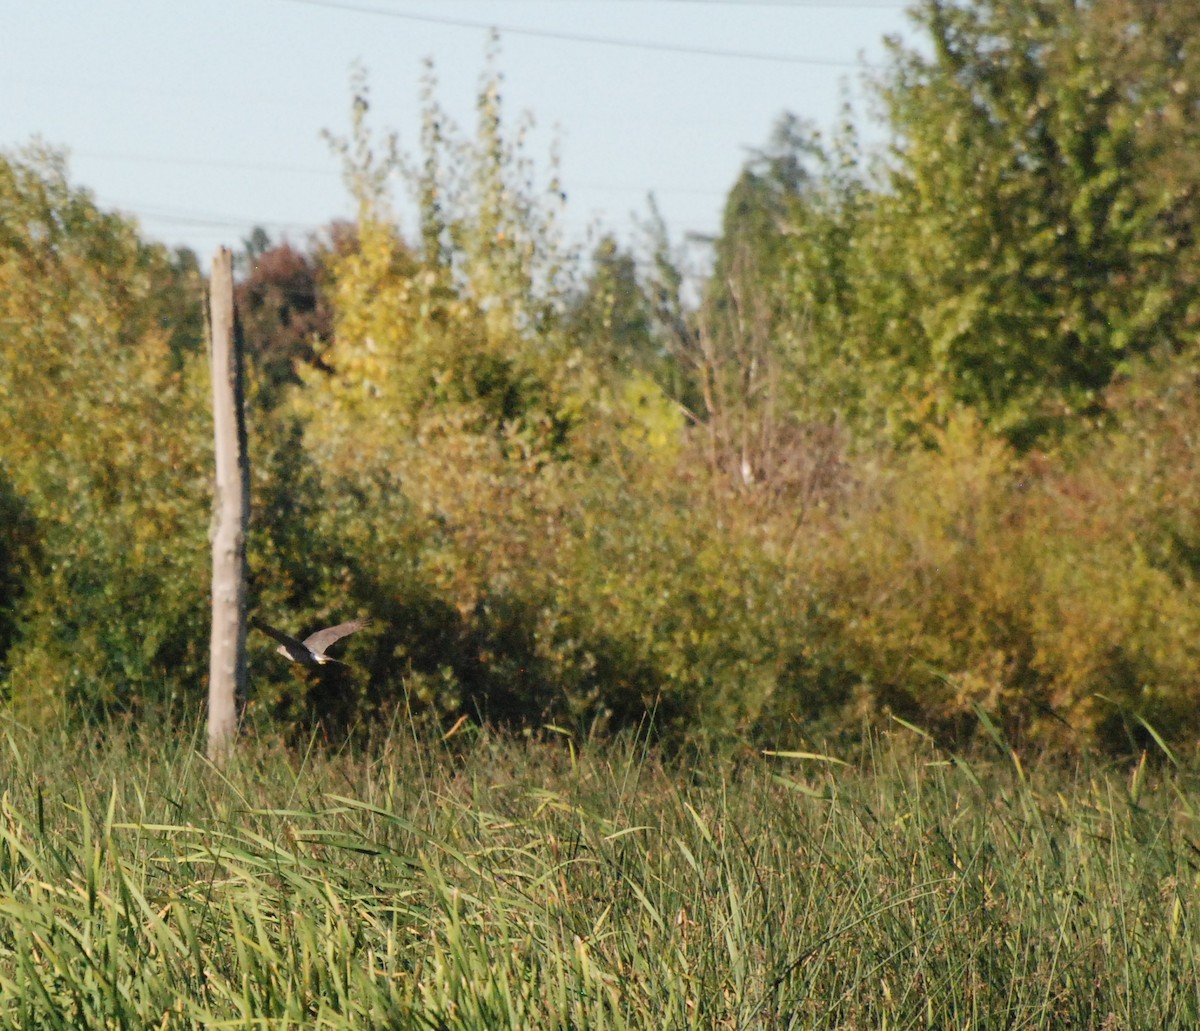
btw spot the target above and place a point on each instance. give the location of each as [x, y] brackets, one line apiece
[285, 315]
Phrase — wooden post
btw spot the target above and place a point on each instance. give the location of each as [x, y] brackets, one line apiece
[227, 662]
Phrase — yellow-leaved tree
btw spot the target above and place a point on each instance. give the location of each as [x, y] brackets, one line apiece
[502, 470]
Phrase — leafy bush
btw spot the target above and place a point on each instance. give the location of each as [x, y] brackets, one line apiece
[963, 579]
[102, 441]
[560, 513]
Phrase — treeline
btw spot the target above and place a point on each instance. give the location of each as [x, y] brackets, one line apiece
[925, 445]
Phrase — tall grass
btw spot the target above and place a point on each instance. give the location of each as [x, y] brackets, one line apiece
[490, 883]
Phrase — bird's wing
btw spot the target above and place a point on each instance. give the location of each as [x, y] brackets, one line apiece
[279, 636]
[322, 639]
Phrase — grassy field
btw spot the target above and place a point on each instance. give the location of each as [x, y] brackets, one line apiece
[489, 883]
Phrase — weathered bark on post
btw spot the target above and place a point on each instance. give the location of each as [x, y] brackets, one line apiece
[227, 661]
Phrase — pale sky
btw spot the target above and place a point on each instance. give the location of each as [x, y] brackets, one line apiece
[203, 117]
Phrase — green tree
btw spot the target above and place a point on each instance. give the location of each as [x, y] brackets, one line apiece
[102, 441]
[1030, 245]
[182, 300]
[613, 314]
[759, 208]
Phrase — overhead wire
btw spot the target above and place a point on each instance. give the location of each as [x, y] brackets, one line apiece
[195, 162]
[215, 221]
[576, 37]
[798, 4]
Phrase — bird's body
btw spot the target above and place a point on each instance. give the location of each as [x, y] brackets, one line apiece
[311, 651]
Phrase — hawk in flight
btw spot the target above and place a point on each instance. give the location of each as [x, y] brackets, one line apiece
[311, 651]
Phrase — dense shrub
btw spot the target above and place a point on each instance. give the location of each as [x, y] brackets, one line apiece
[1052, 593]
[102, 441]
[766, 521]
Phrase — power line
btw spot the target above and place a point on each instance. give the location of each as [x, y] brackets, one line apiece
[572, 37]
[895, 5]
[572, 186]
[176, 216]
[158, 159]
[188, 162]
[210, 223]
